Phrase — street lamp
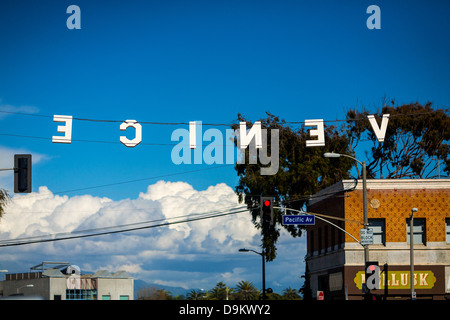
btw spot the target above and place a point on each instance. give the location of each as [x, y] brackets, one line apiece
[263, 268]
[26, 286]
[364, 176]
[411, 251]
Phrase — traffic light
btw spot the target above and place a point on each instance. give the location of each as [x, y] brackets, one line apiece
[22, 173]
[266, 211]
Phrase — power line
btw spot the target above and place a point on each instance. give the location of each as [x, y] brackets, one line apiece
[185, 218]
[209, 124]
[76, 235]
[107, 142]
[125, 182]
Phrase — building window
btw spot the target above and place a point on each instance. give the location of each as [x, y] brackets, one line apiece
[341, 235]
[447, 229]
[333, 238]
[379, 231]
[419, 234]
[106, 297]
[124, 298]
[311, 242]
[319, 231]
[80, 294]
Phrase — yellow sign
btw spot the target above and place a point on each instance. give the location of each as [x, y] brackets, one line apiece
[401, 279]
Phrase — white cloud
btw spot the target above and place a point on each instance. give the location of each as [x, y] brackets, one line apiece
[11, 108]
[184, 254]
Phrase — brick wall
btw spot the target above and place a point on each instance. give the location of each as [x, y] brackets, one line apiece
[395, 207]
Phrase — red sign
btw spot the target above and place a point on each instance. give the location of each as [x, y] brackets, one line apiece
[320, 295]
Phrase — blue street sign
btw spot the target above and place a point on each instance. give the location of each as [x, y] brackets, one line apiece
[305, 220]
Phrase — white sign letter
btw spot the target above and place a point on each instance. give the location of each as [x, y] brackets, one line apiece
[74, 21]
[66, 129]
[319, 133]
[137, 139]
[255, 132]
[192, 135]
[379, 132]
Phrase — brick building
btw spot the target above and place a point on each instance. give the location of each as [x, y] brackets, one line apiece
[335, 261]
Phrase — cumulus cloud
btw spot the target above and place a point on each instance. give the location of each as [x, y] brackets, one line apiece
[187, 254]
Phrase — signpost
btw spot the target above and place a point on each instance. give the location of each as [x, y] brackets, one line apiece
[305, 220]
[366, 236]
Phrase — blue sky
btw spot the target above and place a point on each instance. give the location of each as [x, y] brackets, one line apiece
[179, 61]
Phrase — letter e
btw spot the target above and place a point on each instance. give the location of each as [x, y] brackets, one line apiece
[66, 129]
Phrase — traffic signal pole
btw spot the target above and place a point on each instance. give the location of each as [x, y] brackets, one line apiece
[264, 274]
[22, 173]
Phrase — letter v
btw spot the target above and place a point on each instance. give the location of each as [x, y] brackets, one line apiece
[379, 132]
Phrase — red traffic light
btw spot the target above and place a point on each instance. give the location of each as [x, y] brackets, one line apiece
[267, 203]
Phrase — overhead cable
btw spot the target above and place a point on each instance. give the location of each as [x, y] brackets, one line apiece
[120, 229]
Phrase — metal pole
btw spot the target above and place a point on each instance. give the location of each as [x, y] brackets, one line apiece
[264, 274]
[366, 219]
[411, 251]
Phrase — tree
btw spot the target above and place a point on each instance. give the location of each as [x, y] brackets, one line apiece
[302, 172]
[290, 294]
[153, 293]
[245, 290]
[220, 292]
[4, 197]
[305, 290]
[415, 145]
[195, 295]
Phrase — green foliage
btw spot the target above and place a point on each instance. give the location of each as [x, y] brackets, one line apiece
[416, 142]
[290, 294]
[196, 295]
[245, 290]
[220, 292]
[153, 293]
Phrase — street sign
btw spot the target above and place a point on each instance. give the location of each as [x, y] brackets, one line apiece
[305, 220]
[366, 236]
[320, 295]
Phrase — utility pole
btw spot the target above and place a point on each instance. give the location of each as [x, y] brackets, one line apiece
[263, 255]
[264, 274]
[411, 251]
[366, 219]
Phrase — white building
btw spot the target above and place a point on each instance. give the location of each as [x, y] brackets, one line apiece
[63, 281]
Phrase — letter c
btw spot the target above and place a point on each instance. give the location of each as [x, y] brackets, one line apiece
[138, 137]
